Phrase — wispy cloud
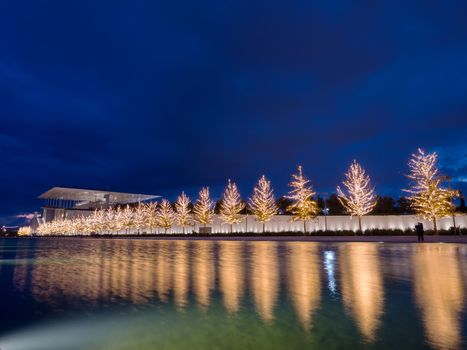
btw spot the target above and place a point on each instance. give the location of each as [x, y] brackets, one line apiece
[28, 216]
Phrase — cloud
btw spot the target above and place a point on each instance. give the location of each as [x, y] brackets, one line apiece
[29, 216]
[158, 98]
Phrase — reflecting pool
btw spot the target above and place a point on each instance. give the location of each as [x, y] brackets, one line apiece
[178, 294]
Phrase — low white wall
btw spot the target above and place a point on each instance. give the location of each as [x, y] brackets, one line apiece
[284, 223]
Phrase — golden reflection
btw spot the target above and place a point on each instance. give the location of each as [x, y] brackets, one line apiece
[265, 278]
[163, 270]
[303, 279]
[203, 271]
[439, 293]
[362, 286]
[181, 274]
[231, 273]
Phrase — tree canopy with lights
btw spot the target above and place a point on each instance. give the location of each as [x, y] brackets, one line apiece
[427, 198]
[262, 203]
[359, 197]
[231, 205]
[166, 216]
[303, 207]
[182, 209]
[203, 208]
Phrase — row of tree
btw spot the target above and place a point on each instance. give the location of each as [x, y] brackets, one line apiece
[357, 197]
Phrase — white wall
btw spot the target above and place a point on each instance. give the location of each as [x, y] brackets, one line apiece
[283, 223]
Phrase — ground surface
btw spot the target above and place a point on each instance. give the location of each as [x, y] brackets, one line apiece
[385, 239]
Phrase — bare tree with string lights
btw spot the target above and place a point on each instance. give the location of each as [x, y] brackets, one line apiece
[231, 205]
[359, 196]
[182, 211]
[427, 198]
[262, 203]
[203, 208]
[303, 207]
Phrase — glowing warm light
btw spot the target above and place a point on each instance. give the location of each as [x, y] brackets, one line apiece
[163, 270]
[304, 282]
[231, 205]
[181, 282]
[362, 287]
[440, 294]
[151, 216]
[262, 203]
[25, 231]
[165, 215]
[182, 210]
[128, 220]
[360, 198]
[203, 207]
[231, 272]
[265, 278]
[203, 272]
[427, 198]
[303, 208]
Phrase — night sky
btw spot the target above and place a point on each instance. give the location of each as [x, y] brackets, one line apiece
[147, 97]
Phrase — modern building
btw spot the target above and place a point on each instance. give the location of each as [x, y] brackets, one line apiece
[66, 203]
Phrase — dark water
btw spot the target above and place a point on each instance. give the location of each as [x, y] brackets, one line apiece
[146, 294]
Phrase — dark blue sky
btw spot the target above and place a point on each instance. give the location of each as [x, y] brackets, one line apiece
[159, 97]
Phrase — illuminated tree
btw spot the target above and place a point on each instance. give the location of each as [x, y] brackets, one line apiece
[108, 222]
[151, 216]
[128, 219]
[203, 207]
[79, 225]
[165, 215]
[118, 220]
[231, 205]
[303, 207]
[140, 217]
[25, 231]
[360, 198]
[262, 204]
[427, 198]
[98, 221]
[182, 209]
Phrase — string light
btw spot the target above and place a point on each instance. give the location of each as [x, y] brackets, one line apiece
[24, 231]
[427, 198]
[165, 215]
[231, 205]
[203, 207]
[182, 209]
[303, 208]
[360, 198]
[262, 204]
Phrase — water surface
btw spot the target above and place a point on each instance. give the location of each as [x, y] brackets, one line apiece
[69, 293]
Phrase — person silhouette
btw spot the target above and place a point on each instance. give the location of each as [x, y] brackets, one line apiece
[420, 232]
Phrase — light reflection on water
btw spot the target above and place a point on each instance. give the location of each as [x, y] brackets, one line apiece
[439, 292]
[362, 286]
[287, 294]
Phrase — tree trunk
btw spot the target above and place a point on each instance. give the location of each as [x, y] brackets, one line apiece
[360, 224]
[304, 227]
[231, 228]
[435, 227]
[264, 227]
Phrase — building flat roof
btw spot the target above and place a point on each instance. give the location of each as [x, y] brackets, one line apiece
[80, 194]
